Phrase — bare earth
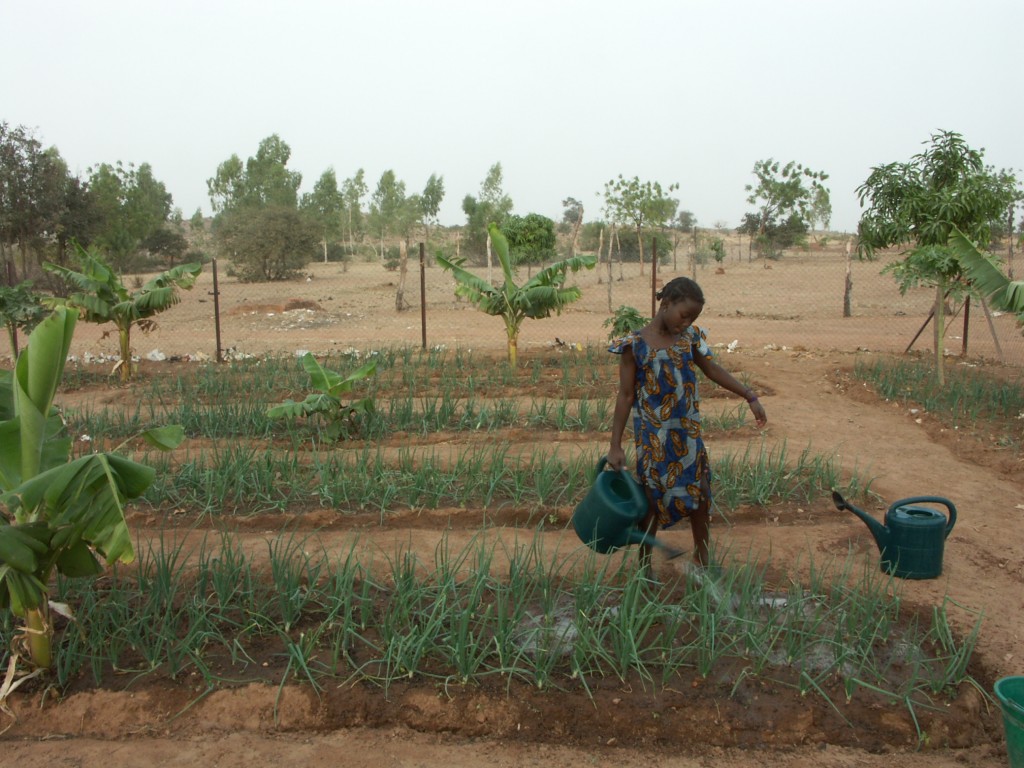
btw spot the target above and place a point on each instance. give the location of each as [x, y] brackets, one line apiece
[799, 352]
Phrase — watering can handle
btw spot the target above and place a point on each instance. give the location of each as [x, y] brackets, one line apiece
[931, 500]
[639, 497]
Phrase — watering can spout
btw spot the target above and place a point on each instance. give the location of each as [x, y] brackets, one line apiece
[879, 531]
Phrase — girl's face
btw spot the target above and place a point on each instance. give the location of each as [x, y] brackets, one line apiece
[677, 316]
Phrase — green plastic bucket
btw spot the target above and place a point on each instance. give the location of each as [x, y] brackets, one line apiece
[1010, 692]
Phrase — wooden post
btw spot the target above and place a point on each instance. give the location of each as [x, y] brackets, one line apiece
[992, 330]
[654, 276]
[967, 320]
[423, 295]
[216, 311]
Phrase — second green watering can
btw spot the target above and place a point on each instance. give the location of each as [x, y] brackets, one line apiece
[913, 537]
[609, 515]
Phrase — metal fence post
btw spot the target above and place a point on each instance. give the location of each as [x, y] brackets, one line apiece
[216, 311]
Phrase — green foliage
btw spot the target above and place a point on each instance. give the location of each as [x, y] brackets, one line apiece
[353, 190]
[788, 198]
[986, 279]
[323, 206]
[685, 221]
[263, 180]
[717, 246]
[639, 203]
[35, 190]
[921, 203]
[969, 397]
[538, 297]
[531, 238]
[133, 206]
[341, 419]
[629, 247]
[625, 320]
[100, 296]
[492, 206]
[58, 514]
[20, 309]
[267, 243]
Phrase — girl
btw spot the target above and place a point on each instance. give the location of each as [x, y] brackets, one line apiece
[658, 382]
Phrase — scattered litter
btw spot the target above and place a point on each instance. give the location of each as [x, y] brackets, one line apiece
[301, 352]
[234, 353]
[573, 345]
[156, 356]
[732, 345]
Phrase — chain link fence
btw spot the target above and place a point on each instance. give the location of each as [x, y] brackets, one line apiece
[817, 300]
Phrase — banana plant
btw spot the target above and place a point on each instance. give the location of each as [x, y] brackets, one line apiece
[540, 296]
[326, 403]
[100, 296]
[986, 277]
[56, 514]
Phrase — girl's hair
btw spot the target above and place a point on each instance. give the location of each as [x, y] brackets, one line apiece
[680, 288]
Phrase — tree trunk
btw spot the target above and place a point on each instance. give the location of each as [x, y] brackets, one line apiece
[610, 281]
[513, 346]
[848, 290]
[125, 365]
[640, 243]
[940, 315]
[576, 232]
[618, 250]
[40, 647]
[403, 270]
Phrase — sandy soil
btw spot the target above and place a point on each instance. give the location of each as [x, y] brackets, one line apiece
[797, 350]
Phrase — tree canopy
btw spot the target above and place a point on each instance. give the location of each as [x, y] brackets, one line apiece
[491, 206]
[921, 203]
[789, 198]
[639, 203]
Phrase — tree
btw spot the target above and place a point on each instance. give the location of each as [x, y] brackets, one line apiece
[782, 193]
[386, 207]
[33, 183]
[132, 205]
[920, 204]
[57, 514]
[22, 309]
[264, 179]
[430, 203]
[572, 220]
[101, 297]
[538, 297]
[267, 243]
[531, 238]
[820, 210]
[324, 206]
[640, 203]
[685, 220]
[490, 207]
[258, 224]
[353, 191]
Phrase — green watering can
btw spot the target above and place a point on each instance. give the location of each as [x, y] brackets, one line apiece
[912, 539]
[609, 514]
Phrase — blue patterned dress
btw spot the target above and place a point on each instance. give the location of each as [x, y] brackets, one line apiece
[672, 462]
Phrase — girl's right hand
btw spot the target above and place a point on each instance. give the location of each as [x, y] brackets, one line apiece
[616, 458]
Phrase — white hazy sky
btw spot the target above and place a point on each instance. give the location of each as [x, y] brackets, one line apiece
[565, 94]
